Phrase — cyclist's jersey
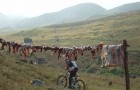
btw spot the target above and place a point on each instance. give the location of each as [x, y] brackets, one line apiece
[70, 61]
[72, 65]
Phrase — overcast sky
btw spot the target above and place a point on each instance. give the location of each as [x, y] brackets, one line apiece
[37, 7]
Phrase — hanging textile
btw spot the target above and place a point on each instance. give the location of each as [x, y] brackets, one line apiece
[112, 55]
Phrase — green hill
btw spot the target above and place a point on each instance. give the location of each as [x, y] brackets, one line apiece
[109, 30]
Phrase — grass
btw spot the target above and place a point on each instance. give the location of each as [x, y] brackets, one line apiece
[16, 75]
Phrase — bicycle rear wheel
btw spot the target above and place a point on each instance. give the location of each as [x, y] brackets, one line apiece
[80, 85]
[61, 81]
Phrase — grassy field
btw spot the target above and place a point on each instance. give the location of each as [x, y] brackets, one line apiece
[16, 75]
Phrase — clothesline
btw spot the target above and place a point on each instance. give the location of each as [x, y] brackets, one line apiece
[111, 55]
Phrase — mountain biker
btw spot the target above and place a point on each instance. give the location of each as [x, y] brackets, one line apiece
[71, 66]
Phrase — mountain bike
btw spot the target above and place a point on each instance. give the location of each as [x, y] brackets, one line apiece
[76, 84]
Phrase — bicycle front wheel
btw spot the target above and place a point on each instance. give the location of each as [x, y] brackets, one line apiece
[80, 85]
[62, 81]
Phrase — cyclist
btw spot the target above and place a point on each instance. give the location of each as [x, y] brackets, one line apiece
[71, 66]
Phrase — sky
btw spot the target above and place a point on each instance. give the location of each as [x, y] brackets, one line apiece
[32, 8]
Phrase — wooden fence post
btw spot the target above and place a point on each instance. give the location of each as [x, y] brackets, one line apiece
[127, 82]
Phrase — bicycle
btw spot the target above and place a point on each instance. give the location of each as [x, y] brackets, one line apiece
[77, 84]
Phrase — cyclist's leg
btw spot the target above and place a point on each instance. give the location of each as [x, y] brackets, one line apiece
[75, 71]
[70, 78]
[72, 74]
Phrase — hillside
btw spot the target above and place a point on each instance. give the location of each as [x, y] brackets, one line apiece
[80, 12]
[74, 13]
[9, 22]
[110, 30]
[3, 21]
[125, 8]
[16, 75]
[71, 14]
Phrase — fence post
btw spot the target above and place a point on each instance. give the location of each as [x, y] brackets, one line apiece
[127, 82]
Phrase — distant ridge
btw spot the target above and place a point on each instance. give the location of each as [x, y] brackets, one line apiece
[125, 8]
[71, 14]
[4, 21]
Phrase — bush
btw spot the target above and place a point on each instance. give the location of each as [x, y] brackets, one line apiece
[91, 70]
[116, 71]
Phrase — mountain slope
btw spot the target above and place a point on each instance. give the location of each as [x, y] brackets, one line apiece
[75, 13]
[4, 21]
[111, 29]
[71, 14]
[7, 22]
[125, 8]
[82, 11]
